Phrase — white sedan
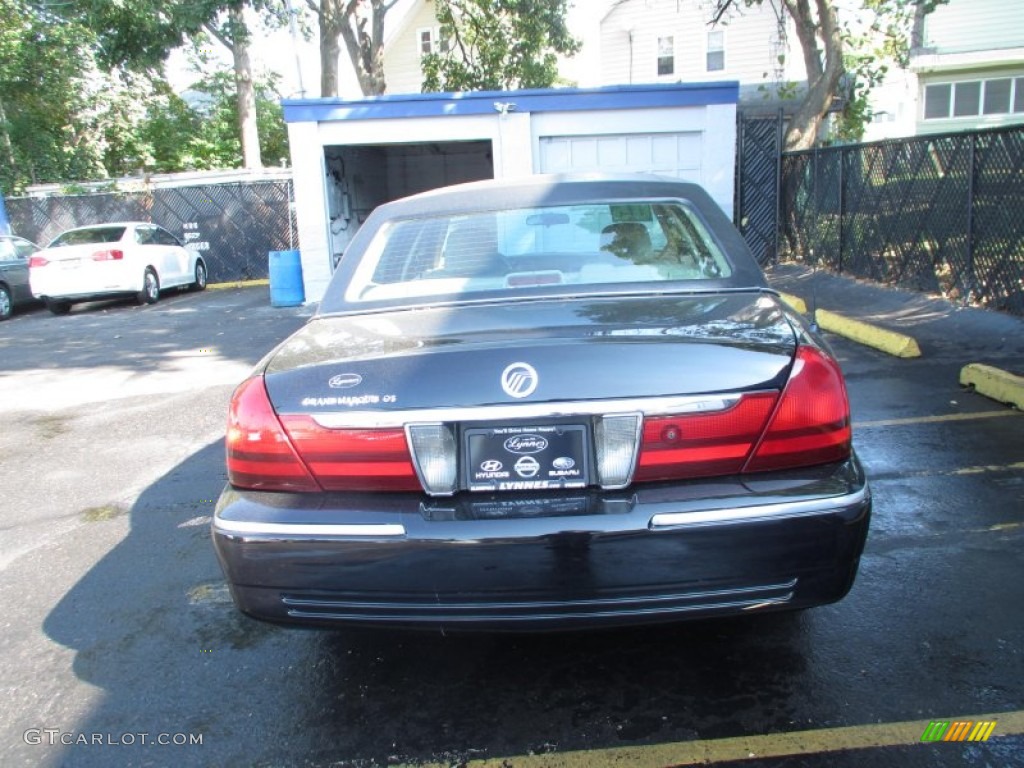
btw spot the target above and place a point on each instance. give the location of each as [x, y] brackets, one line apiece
[113, 260]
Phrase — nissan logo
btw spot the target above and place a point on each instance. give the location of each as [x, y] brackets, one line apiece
[527, 466]
[491, 465]
[345, 380]
[526, 444]
[519, 380]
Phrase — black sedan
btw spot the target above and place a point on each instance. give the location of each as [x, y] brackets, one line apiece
[15, 253]
[551, 403]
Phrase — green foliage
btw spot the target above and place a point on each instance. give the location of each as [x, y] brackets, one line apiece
[67, 117]
[498, 45]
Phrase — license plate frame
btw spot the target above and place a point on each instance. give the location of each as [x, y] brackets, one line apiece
[528, 457]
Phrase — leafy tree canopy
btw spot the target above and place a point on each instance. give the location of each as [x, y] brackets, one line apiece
[498, 45]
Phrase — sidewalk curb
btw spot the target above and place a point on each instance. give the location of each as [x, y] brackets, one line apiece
[795, 302]
[994, 383]
[896, 344]
[237, 284]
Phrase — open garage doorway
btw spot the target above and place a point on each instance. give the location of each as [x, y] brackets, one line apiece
[361, 177]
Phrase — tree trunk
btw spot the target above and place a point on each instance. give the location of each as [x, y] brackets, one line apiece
[246, 92]
[5, 141]
[330, 15]
[366, 48]
[824, 70]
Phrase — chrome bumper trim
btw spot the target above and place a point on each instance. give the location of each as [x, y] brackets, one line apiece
[649, 406]
[758, 513]
[306, 530]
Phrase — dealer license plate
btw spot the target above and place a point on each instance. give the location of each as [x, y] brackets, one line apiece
[527, 458]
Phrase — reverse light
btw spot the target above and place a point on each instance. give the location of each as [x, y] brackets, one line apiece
[434, 454]
[615, 438]
[259, 454]
[35, 262]
[811, 424]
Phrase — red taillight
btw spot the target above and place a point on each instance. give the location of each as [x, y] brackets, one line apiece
[354, 459]
[35, 262]
[699, 445]
[112, 254]
[812, 422]
[259, 454]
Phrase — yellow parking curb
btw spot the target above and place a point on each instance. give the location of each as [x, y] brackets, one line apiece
[896, 344]
[795, 302]
[237, 284]
[994, 383]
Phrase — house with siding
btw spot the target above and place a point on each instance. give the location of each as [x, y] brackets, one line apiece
[970, 66]
[635, 42]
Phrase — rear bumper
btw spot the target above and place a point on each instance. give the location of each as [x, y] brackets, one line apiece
[662, 552]
[90, 281]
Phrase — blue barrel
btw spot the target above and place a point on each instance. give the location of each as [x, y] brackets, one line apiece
[286, 279]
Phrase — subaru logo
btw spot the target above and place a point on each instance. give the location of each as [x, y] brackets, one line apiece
[563, 462]
[345, 380]
[519, 380]
[527, 466]
[491, 465]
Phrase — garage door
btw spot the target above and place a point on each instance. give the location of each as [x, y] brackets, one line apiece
[667, 154]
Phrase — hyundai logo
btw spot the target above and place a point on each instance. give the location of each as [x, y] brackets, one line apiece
[491, 465]
[526, 444]
[519, 380]
[563, 462]
[527, 466]
[345, 380]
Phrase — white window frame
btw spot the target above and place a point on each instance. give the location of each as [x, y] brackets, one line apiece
[433, 40]
[1016, 86]
[709, 50]
[671, 58]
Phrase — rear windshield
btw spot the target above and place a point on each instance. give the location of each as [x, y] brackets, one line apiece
[513, 250]
[89, 236]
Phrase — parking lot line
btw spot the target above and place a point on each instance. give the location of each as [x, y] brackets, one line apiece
[811, 742]
[1006, 412]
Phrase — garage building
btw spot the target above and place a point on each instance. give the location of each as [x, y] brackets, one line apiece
[350, 156]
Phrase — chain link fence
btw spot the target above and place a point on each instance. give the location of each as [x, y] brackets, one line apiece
[942, 214]
[234, 225]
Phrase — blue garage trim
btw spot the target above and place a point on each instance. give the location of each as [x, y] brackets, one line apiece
[484, 102]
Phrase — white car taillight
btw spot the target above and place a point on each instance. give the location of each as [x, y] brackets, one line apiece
[435, 457]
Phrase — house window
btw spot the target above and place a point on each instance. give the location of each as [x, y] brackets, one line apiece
[716, 51]
[666, 56]
[998, 96]
[936, 101]
[966, 99]
[430, 41]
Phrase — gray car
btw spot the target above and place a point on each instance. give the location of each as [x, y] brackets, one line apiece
[14, 290]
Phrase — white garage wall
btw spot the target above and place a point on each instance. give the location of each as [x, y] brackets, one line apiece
[691, 143]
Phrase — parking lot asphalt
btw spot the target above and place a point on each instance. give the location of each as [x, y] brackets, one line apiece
[119, 634]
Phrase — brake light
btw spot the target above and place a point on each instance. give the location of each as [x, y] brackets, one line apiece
[35, 262]
[702, 445]
[112, 254]
[259, 454]
[353, 459]
[812, 422]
